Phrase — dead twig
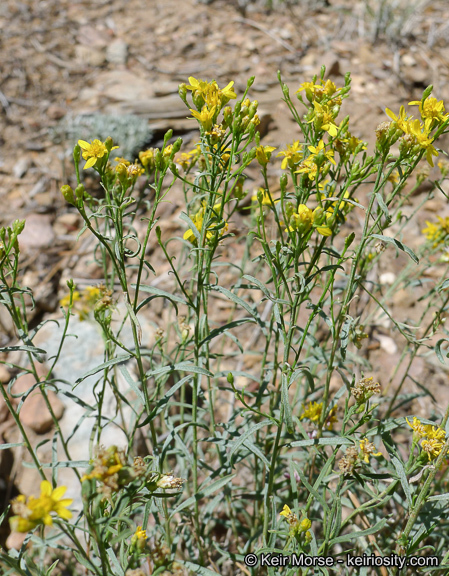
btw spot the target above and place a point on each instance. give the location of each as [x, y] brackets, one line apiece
[256, 25]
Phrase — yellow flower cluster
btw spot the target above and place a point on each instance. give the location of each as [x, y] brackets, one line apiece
[31, 511]
[417, 133]
[297, 527]
[326, 101]
[139, 540]
[437, 232]
[209, 100]
[432, 437]
[313, 413]
[353, 457]
[304, 219]
[292, 155]
[126, 170]
[213, 225]
[317, 161]
[95, 298]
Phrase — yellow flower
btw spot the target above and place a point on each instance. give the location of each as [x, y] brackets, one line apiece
[121, 160]
[92, 294]
[34, 511]
[310, 89]
[331, 418]
[313, 412]
[319, 218]
[432, 447]
[184, 159]
[305, 525]
[198, 218]
[210, 93]
[320, 149]
[308, 167]
[286, 512]
[107, 463]
[228, 92]
[431, 109]
[437, 232]
[147, 158]
[401, 120]
[263, 154]
[301, 220]
[93, 151]
[422, 134]
[205, 117]
[138, 540]
[368, 449]
[140, 534]
[435, 433]
[267, 200]
[324, 119]
[319, 91]
[292, 155]
[417, 427]
[66, 300]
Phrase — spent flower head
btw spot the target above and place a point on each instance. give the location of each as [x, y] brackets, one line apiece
[367, 450]
[364, 389]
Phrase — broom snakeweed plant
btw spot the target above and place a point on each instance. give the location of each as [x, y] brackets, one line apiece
[269, 453]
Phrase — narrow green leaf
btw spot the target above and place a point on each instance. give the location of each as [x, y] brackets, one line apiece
[203, 492]
[198, 569]
[180, 367]
[356, 534]
[108, 364]
[403, 478]
[133, 385]
[135, 321]
[193, 228]
[398, 244]
[237, 300]
[383, 206]
[159, 292]
[235, 446]
[333, 441]
[438, 351]
[217, 331]
[286, 404]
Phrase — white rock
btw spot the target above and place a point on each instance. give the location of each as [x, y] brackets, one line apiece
[387, 278]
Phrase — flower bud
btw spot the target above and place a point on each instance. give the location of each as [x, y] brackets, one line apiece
[227, 116]
[283, 181]
[80, 191]
[182, 91]
[177, 145]
[253, 109]
[68, 194]
[109, 143]
[305, 525]
[76, 154]
[167, 136]
[18, 226]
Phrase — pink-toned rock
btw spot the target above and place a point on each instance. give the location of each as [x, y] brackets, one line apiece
[38, 232]
[15, 540]
[34, 412]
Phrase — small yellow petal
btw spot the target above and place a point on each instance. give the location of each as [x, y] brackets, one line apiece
[91, 162]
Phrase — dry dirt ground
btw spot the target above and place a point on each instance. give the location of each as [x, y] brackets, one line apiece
[61, 58]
